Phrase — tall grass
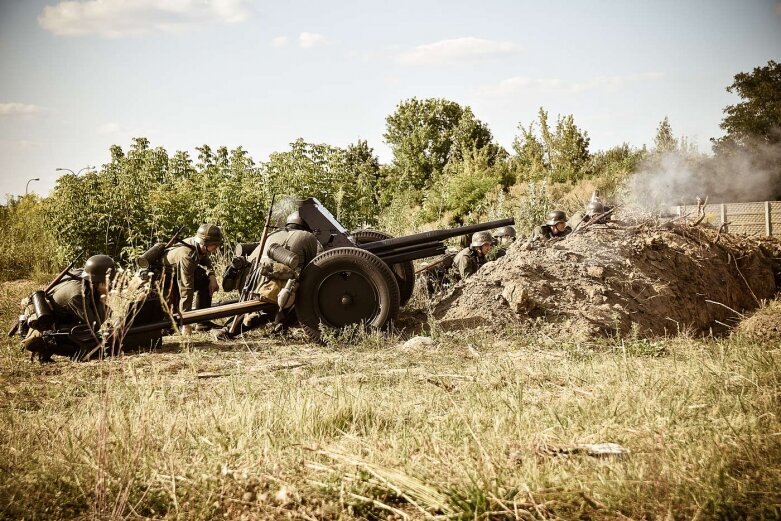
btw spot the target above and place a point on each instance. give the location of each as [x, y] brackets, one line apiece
[476, 426]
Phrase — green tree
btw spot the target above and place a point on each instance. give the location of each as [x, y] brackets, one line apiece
[756, 119]
[665, 141]
[560, 155]
[425, 135]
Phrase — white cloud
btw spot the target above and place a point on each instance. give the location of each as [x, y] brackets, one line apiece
[458, 50]
[121, 18]
[279, 41]
[21, 109]
[307, 40]
[519, 84]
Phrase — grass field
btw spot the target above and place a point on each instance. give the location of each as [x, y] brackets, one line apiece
[478, 425]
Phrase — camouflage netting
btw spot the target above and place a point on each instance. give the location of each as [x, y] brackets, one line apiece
[646, 279]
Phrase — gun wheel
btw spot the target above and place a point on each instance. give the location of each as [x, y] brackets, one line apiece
[404, 271]
[346, 286]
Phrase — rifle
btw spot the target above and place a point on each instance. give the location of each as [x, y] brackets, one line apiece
[254, 272]
[53, 283]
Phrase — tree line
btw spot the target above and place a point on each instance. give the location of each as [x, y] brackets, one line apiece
[447, 169]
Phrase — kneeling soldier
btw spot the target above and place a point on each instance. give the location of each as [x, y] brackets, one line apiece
[470, 259]
[71, 303]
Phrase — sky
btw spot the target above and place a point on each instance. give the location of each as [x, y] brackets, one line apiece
[79, 76]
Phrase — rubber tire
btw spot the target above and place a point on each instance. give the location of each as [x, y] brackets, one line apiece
[337, 262]
[404, 271]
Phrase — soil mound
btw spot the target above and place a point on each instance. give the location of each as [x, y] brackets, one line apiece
[644, 279]
[764, 325]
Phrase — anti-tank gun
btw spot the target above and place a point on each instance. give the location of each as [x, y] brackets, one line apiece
[361, 277]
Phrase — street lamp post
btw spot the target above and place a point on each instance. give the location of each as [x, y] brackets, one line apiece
[27, 186]
[71, 171]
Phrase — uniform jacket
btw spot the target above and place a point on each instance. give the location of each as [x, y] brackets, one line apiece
[183, 261]
[73, 303]
[467, 262]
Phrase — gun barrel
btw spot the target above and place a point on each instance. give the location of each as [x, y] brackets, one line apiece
[436, 235]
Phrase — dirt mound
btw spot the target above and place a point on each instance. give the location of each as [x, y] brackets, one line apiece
[643, 279]
[764, 324]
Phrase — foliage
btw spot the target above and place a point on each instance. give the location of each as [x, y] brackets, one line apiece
[557, 155]
[665, 141]
[27, 244]
[756, 119]
[426, 135]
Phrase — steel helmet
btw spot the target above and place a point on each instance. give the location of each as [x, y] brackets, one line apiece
[596, 208]
[480, 238]
[209, 234]
[97, 267]
[556, 216]
[295, 221]
[505, 231]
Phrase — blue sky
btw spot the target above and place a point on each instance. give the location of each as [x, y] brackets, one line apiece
[79, 76]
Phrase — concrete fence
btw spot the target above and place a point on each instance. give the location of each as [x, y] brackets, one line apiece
[753, 219]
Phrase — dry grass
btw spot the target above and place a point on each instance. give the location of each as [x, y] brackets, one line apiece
[475, 427]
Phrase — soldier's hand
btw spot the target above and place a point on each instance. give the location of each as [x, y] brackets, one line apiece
[213, 285]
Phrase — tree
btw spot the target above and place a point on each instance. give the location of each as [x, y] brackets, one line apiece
[756, 120]
[665, 141]
[558, 155]
[425, 135]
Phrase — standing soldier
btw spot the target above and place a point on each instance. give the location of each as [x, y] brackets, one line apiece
[71, 303]
[190, 272]
[554, 228]
[470, 259]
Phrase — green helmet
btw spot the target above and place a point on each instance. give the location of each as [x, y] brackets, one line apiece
[97, 267]
[295, 222]
[505, 231]
[556, 216]
[480, 238]
[596, 208]
[209, 234]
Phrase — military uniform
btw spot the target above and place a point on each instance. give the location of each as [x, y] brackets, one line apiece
[73, 303]
[546, 232]
[187, 275]
[302, 243]
[467, 262]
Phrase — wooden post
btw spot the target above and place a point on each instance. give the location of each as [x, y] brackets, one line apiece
[768, 224]
[724, 217]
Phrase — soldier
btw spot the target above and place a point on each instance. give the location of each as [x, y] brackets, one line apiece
[73, 302]
[299, 246]
[554, 228]
[436, 275]
[594, 209]
[189, 271]
[504, 236]
[470, 259]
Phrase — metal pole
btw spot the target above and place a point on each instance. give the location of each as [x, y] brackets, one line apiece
[27, 186]
[768, 224]
[724, 216]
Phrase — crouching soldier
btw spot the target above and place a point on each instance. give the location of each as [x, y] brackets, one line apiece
[66, 321]
[595, 213]
[554, 228]
[504, 237]
[190, 280]
[470, 259]
[285, 254]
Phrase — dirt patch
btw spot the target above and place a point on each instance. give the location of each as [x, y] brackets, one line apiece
[643, 279]
[764, 324]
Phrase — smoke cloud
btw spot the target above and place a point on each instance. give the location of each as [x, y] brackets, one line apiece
[677, 178]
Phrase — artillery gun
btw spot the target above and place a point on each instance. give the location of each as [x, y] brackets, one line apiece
[363, 277]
